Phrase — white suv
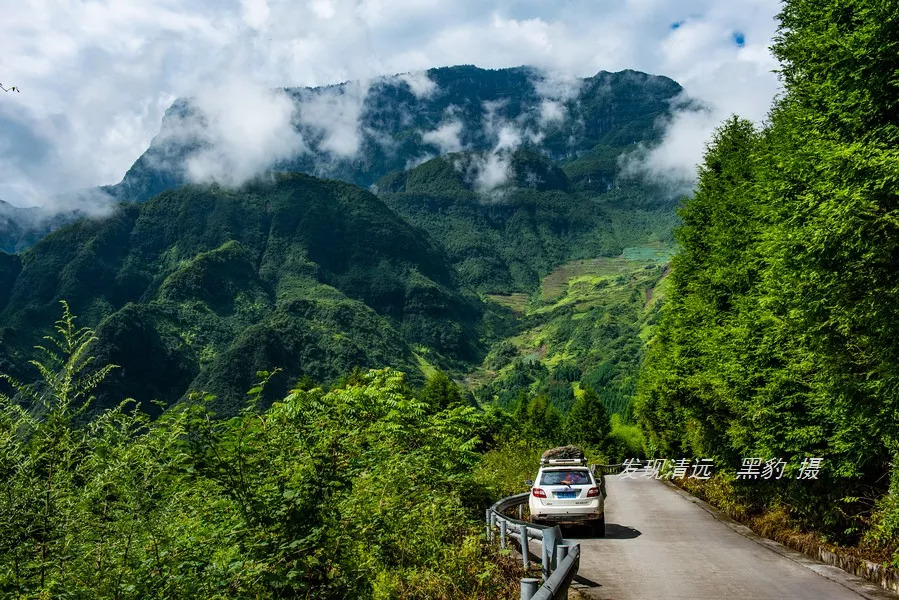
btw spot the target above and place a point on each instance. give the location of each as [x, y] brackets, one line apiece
[566, 492]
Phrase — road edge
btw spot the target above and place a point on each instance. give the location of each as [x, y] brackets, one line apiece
[861, 586]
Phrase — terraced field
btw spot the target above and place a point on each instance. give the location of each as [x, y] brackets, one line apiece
[591, 317]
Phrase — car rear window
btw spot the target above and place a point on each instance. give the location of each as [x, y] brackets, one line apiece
[568, 476]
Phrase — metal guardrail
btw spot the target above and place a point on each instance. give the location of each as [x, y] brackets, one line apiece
[610, 469]
[559, 559]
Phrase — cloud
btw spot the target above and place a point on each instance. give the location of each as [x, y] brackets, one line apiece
[673, 162]
[555, 88]
[419, 83]
[97, 77]
[244, 130]
[334, 114]
[447, 137]
[731, 79]
[551, 111]
[492, 171]
[489, 171]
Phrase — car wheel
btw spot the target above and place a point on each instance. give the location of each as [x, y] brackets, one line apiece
[599, 527]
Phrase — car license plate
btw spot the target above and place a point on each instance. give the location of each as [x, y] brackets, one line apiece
[566, 494]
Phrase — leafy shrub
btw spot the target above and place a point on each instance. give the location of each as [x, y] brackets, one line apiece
[363, 491]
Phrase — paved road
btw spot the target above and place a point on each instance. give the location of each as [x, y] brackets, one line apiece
[661, 544]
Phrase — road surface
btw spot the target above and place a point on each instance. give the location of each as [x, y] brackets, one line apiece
[662, 544]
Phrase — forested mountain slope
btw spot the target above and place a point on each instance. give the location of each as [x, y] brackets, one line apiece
[203, 286]
[503, 175]
[508, 239]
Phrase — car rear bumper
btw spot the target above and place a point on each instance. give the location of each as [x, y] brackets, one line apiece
[563, 518]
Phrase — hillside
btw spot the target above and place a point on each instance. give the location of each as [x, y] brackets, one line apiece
[21, 227]
[203, 286]
[585, 327]
[507, 240]
[488, 181]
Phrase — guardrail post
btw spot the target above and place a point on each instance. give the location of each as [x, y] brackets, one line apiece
[545, 559]
[492, 526]
[528, 588]
[524, 545]
[520, 511]
[502, 534]
[488, 525]
[551, 538]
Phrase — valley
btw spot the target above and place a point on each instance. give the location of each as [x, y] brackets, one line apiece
[285, 313]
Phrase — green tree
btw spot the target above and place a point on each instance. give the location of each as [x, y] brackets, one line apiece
[779, 338]
[363, 491]
[440, 392]
[520, 413]
[544, 420]
[588, 422]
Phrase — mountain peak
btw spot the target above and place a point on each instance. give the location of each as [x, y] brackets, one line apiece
[360, 132]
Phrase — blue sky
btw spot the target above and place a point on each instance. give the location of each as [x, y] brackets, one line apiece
[97, 75]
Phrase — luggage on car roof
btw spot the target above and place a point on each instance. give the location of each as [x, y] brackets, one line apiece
[563, 452]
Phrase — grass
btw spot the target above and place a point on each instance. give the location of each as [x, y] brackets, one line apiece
[426, 368]
[517, 302]
[653, 252]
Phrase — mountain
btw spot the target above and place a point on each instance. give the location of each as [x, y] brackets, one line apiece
[202, 286]
[507, 240]
[486, 181]
[21, 227]
[591, 120]
[360, 132]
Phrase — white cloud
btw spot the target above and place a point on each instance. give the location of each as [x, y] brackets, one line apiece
[508, 138]
[255, 13]
[245, 130]
[447, 137]
[492, 171]
[729, 80]
[335, 114]
[555, 88]
[96, 77]
[673, 162]
[419, 83]
[551, 111]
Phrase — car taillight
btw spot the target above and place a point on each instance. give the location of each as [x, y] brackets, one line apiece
[594, 491]
[538, 493]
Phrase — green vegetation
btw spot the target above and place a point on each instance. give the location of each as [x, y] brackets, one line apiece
[588, 421]
[585, 329]
[507, 240]
[357, 467]
[363, 491]
[779, 335]
[202, 287]
[368, 490]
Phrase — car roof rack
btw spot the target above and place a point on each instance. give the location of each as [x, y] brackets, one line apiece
[560, 462]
